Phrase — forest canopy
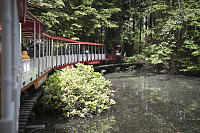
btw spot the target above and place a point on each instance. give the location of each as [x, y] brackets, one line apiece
[164, 33]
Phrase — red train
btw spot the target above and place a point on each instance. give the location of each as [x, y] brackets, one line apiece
[43, 53]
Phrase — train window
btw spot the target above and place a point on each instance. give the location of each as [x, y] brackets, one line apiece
[89, 52]
[59, 48]
[75, 49]
[37, 49]
[82, 49]
[72, 46]
[47, 48]
[93, 50]
[78, 48]
[67, 49]
[25, 42]
[44, 47]
[61, 52]
[86, 49]
[41, 48]
[31, 49]
[54, 48]
[63, 48]
[50, 47]
[70, 50]
[100, 49]
[97, 49]
[24, 52]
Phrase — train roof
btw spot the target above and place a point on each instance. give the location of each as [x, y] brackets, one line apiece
[91, 43]
[28, 25]
[70, 41]
[22, 5]
[63, 39]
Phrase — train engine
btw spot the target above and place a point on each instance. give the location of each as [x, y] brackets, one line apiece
[114, 55]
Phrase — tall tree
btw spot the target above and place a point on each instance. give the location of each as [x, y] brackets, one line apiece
[78, 20]
[175, 35]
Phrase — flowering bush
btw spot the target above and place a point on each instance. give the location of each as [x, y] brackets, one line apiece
[78, 91]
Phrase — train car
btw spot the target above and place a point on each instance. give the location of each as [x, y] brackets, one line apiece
[42, 53]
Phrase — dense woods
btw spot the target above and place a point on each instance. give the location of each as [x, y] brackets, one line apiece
[165, 33]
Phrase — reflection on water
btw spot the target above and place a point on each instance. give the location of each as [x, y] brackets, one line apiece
[146, 102]
[87, 126]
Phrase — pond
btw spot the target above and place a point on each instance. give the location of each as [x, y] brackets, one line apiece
[146, 103]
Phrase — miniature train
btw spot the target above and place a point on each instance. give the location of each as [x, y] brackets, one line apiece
[42, 53]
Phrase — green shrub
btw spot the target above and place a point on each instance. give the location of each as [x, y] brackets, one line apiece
[131, 59]
[78, 91]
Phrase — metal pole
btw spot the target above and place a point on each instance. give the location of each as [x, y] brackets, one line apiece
[20, 85]
[49, 53]
[57, 54]
[52, 52]
[57, 49]
[105, 51]
[39, 41]
[69, 57]
[6, 73]
[95, 51]
[16, 53]
[72, 53]
[7, 106]
[34, 37]
[84, 54]
[102, 52]
[43, 46]
[79, 52]
[88, 52]
[61, 53]
[49, 42]
[43, 58]
[65, 53]
[46, 47]
[39, 63]
[61, 49]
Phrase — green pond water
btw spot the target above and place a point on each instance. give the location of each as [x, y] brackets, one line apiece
[146, 103]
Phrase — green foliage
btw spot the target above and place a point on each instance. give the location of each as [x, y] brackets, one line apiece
[80, 20]
[78, 91]
[156, 53]
[175, 35]
[131, 59]
[171, 27]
